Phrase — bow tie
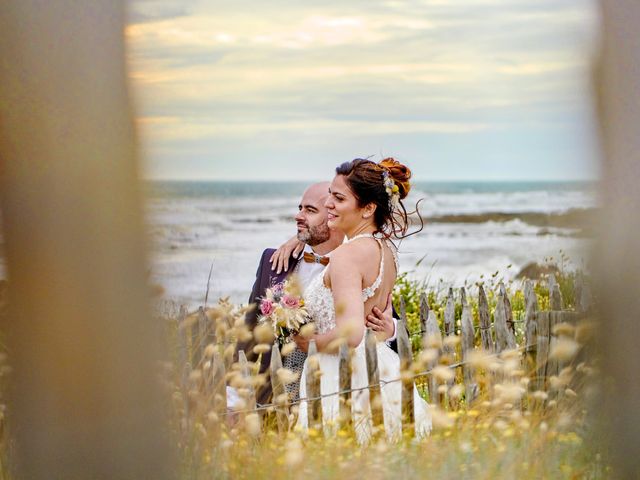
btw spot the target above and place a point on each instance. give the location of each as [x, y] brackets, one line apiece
[313, 258]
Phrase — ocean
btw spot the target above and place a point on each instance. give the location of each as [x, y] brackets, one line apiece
[471, 231]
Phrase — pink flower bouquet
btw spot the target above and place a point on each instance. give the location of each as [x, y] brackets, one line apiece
[283, 308]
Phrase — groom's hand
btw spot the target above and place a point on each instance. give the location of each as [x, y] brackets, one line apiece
[382, 322]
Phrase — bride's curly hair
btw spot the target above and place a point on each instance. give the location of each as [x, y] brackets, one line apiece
[366, 179]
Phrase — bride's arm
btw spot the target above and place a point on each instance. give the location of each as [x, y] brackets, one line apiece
[346, 286]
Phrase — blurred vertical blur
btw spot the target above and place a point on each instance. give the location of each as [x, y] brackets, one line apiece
[85, 401]
[618, 254]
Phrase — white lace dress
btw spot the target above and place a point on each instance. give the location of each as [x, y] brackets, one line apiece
[319, 304]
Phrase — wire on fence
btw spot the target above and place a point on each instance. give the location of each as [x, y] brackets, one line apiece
[382, 383]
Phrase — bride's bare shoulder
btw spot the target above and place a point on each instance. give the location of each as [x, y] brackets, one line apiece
[354, 252]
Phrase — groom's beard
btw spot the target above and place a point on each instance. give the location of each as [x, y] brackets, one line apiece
[314, 235]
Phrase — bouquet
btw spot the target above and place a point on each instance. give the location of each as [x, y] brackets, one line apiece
[283, 308]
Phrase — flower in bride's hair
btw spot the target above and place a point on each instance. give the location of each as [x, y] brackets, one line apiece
[393, 191]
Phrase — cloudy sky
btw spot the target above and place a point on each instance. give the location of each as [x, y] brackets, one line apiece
[458, 89]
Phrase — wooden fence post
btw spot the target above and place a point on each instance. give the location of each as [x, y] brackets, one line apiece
[551, 283]
[555, 298]
[432, 338]
[314, 403]
[345, 385]
[181, 337]
[248, 389]
[485, 321]
[468, 336]
[375, 399]
[406, 358]
[196, 341]
[508, 312]
[424, 313]
[450, 315]
[531, 332]
[280, 397]
[585, 300]
[542, 349]
[449, 350]
[505, 339]
[218, 390]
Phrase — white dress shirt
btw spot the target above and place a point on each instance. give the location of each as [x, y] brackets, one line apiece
[307, 271]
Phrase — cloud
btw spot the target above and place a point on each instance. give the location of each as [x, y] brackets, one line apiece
[292, 73]
[141, 11]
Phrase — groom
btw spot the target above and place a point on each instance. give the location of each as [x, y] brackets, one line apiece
[311, 222]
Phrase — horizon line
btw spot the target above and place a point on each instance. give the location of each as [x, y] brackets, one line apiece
[438, 180]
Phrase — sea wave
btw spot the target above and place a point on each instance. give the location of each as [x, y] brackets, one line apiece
[576, 218]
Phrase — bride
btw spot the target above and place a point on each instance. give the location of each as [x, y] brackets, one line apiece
[365, 202]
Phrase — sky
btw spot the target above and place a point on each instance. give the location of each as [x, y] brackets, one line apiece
[286, 90]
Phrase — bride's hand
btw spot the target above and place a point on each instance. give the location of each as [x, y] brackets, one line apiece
[382, 322]
[301, 342]
[280, 258]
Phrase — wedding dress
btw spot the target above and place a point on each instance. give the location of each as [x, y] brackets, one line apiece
[319, 305]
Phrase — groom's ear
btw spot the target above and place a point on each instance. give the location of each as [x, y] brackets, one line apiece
[368, 210]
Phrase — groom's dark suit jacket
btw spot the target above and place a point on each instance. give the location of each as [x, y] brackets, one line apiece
[265, 278]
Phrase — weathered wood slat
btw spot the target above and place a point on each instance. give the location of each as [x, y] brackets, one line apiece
[484, 320]
[449, 353]
[245, 371]
[468, 335]
[424, 313]
[530, 332]
[181, 336]
[586, 300]
[375, 399]
[196, 337]
[566, 318]
[279, 394]
[432, 339]
[406, 359]
[186, 372]
[345, 385]
[555, 298]
[508, 312]
[217, 392]
[542, 350]
[450, 314]
[181, 333]
[314, 405]
[555, 317]
[505, 340]
[208, 333]
[551, 283]
[219, 388]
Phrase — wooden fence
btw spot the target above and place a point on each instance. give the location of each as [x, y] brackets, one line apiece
[204, 351]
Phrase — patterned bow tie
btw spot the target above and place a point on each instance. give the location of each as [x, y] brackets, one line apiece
[313, 258]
